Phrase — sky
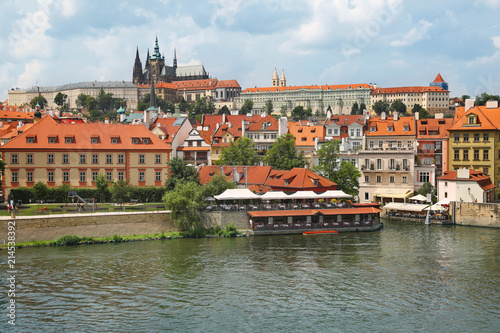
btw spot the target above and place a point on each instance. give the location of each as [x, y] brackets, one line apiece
[387, 42]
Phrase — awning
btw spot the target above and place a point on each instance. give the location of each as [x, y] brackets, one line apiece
[419, 197]
[443, 202]
[400, 194]
[237, 194]
[407, 207]
[435, 207]
[331, 194]
[275, 195]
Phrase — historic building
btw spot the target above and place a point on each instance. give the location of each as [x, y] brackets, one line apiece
[155, 67]
[59, 153]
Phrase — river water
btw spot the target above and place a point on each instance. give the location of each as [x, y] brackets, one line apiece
[404, 278]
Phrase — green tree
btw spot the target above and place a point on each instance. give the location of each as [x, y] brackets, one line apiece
[284, 111]
[347, 178]
[81, 100]
[484, 97]
[179, 170]
[183, 105]
[355, 108]
[298, 113]
[464, 98]
[90, 103]
[268, 107]
[328, 159]
[121, 191]
[224, 110]
[362, 107]
[40, 100]
[119, 102]
[246, 107]
[380, 106]
[183, 202]
[241, 153]
[283, 156]
[217, 185]
[40, 190]
[104, 100]
[428, 188]
[60, 99]
[398, 106]
[101, 183]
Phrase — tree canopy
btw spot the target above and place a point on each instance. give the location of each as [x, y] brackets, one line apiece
[299, 113]
[121, 191]
[180, 171]
[398, 106]
[347, 178]
[427, 188]
[268, 107]
[60, 99]
[40, 100]
[224, 110]
[241, 153]
[328, 159]
[101, 183]
[284, 111]
[246, 107]
[183, 202]
[217, 185]
[380, 106]
[484, 97]
[422, 113]
[283, 156]
[355, 108]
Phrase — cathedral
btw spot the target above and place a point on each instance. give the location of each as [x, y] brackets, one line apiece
[155, 67]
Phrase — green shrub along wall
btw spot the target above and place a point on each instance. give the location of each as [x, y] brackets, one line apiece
[60, 194]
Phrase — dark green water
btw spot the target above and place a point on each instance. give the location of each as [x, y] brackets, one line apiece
[405, 278]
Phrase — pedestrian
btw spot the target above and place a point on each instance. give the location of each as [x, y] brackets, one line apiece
[11, 199]
[251, 224]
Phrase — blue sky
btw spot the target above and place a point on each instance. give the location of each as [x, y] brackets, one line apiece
[387, 42]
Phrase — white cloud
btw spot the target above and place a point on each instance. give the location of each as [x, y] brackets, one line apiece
[496, 41]
[414, 35]
[32, 71]
[490, 3]
[225, 9]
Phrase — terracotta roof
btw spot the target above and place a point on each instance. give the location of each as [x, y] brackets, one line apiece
[314, 87]
[476, 176]
[438, 78]
[257, 125]
[433, 128]
[157, 85]
[206, 135]
[488, 119]
[345, 120]
[206, 84]
[398, 127]
[81, 135]
[167, 126]
[401, 90]
[256, 175]
[305, 135]
[298, 179]
[227, 84]
[15, 114]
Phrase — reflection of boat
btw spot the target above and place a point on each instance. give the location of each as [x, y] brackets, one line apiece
[319, 232]
[428, 217]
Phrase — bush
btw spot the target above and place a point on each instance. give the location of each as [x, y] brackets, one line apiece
[68, 240]
[117, 238]
[229, 231]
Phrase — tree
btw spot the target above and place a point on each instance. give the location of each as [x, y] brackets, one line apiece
[298, 113]
[284, 111]
[427, 188]
[60, 99]
[347, 178]
[183, 202]
[101, 183]
[380, 106]
[464, 98]
[241, 153]
[104, 100]
[283, 156]
[40, 100]
[183, 105]
[90, 103]
[362, 107]
[268, 107]
[328, 159]
[398, 106]
[40, 190]
[217, 185]
[224, 110]
[121, 191]
[246, 107]
[484, 97]
[81, 100]
[355, 108]
[179, 170]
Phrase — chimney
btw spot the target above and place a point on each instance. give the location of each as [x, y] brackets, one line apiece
[229, 125]
[469, 103]
[382, 116]
[439, 115]
[243, 127]
[463, 173]
[492, 104]
[417, 116]
[223, 118]
[396, 116]
[283, 126]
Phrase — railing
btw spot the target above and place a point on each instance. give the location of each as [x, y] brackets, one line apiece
[318, 225]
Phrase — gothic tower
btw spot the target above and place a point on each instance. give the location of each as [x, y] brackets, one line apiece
[137, 77]
[156, 61]
[282, 79]
[175, 59]
[275, 80]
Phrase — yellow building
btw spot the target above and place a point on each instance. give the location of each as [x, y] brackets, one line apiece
[474, 141]
[74, 153]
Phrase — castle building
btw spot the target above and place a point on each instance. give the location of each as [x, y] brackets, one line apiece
[155, 67]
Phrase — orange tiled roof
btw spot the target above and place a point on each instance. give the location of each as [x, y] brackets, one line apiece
[477, 176]
[345, 120]
[382, 126]
[206, 84]
[401, 90]
[206, 135]
[256, 175]
[81, 134]
[433, 128]
[4, 114]
[298, 179]
[257, 125]
[158, 85]
[227, 84]
[166, 125]
[313, 87]
[438, 78]
[489, 119]
[305, 135]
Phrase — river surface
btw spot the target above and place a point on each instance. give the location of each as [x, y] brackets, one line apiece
[404, 278]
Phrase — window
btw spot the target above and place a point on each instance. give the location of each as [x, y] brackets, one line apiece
[379, 179]
[404, 179]
[466, 154]
[381, 144]
[486, 137]
[476, 154]
[83, 176]
[379, 163]
[65, 159]
[52, 139]
[466, 137]
[371, 144]
[391, 179]
[476, 137]
[145, 141]
[121, 158]
[50, 176]
[392, 163]
[336, 131]
[94, 140]
[29, 176]
[14, 176]
[141, 176]
[65, 176]
[141, 159]
[29, 158]
[446, 194]
[94, 175]
[457, 137]
[405, 163]
[13, 159]
[95, 159]
[158, 176]
[83, 158]
[158, 159]
[457, 154]
[135, 141]
[367, 197]
[109, 158]
[109, 176]
[68, 139]
[114, 140]
[485, 171]
[121, 175]
[472, 120]
[486, 155]
[329, 131]
[50, 159]
[30, 139]
[424, 177]
[367, 179]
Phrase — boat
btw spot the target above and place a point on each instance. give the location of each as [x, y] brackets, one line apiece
[305, 233]
[428, 217]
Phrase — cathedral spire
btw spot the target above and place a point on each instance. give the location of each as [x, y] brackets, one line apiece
[152, 98]
[175, 58]
[137, 72]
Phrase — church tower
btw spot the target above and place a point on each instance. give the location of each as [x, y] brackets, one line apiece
[282, 79]
[137, 77]
[175, 59]
[156, 62]
[275, 80]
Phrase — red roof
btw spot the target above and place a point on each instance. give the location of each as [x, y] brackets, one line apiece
[433, 128]
[401, 90]
[314, 87]
[438, 78]
[476, 176]
[166, 125]
[298, 179]
[391, 127]
[345, 120]
[488, 119]
[305, 135]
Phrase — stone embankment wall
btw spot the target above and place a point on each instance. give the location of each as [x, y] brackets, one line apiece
[476, 214]
[51, 227]
[212, 219]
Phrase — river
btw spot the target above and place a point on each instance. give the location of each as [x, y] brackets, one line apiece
[404, 278]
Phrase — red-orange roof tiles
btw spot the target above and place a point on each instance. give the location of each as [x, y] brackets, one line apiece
[400, 90]
[403, 126]
[477, 176]
[312, 87]
[306, 135]
[488, 119]
[433, 128]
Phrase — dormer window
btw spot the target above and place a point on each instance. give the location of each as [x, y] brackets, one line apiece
[52, 139]
[115, 140]
[286, 182]
[315, 182]
[135, 141]
[30, 139]
[406, 128]
[373, 129]
[94, 139]
[472, 120]
[145, 141]
[69, 139]
[390, 129]
[303, 139]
